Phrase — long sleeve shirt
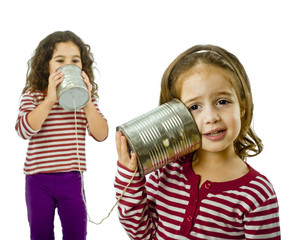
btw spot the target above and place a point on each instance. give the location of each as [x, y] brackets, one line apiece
[53, 147]
[170, 205]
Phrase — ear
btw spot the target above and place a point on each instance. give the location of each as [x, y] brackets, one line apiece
[242, 108]
[243, 111]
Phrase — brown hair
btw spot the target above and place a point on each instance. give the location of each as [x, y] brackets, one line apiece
[38, 65]
[247, 143]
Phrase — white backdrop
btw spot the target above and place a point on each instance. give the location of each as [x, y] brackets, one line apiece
[133, 42]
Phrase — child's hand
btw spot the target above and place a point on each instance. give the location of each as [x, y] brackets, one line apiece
[123, 155]
[54, 79]
[87, 82]
[89, 87]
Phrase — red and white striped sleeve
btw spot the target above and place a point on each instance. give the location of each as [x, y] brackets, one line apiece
[23, 128]
[135, 212]
[263, 221]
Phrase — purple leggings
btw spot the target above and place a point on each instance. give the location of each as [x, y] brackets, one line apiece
[45, 192]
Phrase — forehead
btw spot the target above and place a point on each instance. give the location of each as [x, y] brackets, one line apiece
[64, 48]
[206, 80]
[206, 71]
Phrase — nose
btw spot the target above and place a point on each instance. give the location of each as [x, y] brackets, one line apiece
[211, 115]
[69, 62]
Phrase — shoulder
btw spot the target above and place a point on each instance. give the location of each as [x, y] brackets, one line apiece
[173, 168]
[252, 183]
[264, 207]
[33, 94]
[170, 175]
[178, 170]
[94, 99]
[260, 184]
[30, 99]
[256, 192]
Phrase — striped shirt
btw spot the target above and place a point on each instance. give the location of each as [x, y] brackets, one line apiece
[170, 205]
[53, 147]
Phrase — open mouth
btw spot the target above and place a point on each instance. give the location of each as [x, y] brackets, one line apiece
[215, 133]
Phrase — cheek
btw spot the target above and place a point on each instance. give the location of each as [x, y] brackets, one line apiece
[234, 123]
[239, 126]
[198, 121]
[50, 70]
[51, 67]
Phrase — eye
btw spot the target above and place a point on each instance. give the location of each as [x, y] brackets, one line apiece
[75, 61]
[60, 60]
[223, 102]
[194, 107]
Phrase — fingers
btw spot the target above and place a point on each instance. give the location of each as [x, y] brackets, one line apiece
[85, 76]
[123, 155]
[54, 80]
[86, 80]
[121, 147]
[118, 143]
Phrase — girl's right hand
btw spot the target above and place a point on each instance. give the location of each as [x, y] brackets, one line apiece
[124, 158]
[54, 79]
[37, 116]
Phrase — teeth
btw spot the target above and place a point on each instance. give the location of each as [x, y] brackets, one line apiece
[214, 133]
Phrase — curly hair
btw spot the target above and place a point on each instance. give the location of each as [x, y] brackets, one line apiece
[38, 65]
[247, 144]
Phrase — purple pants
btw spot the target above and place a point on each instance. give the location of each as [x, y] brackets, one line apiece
[45, 192]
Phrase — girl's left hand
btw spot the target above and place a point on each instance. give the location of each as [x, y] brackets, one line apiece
[88, 84]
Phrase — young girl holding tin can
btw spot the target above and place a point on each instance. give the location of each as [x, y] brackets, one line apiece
[56, 152]
[211, 193]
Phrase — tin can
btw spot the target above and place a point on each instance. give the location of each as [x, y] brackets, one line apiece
[72, 91]
[161, 136]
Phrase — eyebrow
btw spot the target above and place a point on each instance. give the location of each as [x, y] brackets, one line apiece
[191, 100]
[226, 93]
[61, 56]
[221, 93]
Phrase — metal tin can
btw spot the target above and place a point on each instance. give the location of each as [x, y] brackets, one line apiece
[161, 136]
[72, 91]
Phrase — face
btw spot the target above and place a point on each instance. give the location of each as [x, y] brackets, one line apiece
[63, 54]
[211, 99]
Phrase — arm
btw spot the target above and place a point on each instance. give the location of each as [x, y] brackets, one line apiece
[37, 116]
[22, 126]
[263, 222]
[31, 117]
[97, 124]
[134, 209]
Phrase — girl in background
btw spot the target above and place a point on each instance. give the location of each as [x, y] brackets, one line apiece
[52, 166]
[213, 193]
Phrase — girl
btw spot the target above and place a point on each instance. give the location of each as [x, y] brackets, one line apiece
[52, 164]
[212, 193]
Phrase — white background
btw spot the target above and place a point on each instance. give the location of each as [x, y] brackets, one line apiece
[133, 42]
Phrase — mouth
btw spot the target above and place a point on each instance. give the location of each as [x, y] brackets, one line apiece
[215, 132]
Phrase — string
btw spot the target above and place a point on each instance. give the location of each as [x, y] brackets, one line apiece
[82, 180]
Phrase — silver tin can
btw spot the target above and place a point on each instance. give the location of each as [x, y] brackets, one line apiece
[72, 88]
[161, 136]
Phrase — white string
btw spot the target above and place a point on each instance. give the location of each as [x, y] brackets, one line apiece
[82, 180]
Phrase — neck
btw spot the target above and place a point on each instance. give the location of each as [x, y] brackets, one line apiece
[219, 166]
[216, 158]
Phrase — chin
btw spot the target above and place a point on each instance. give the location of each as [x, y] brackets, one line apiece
[216, 149]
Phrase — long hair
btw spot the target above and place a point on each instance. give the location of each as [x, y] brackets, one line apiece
[247, 143]
[38, 65]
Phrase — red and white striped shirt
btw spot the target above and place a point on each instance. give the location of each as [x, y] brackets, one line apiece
[52, 148]
[171, 206]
